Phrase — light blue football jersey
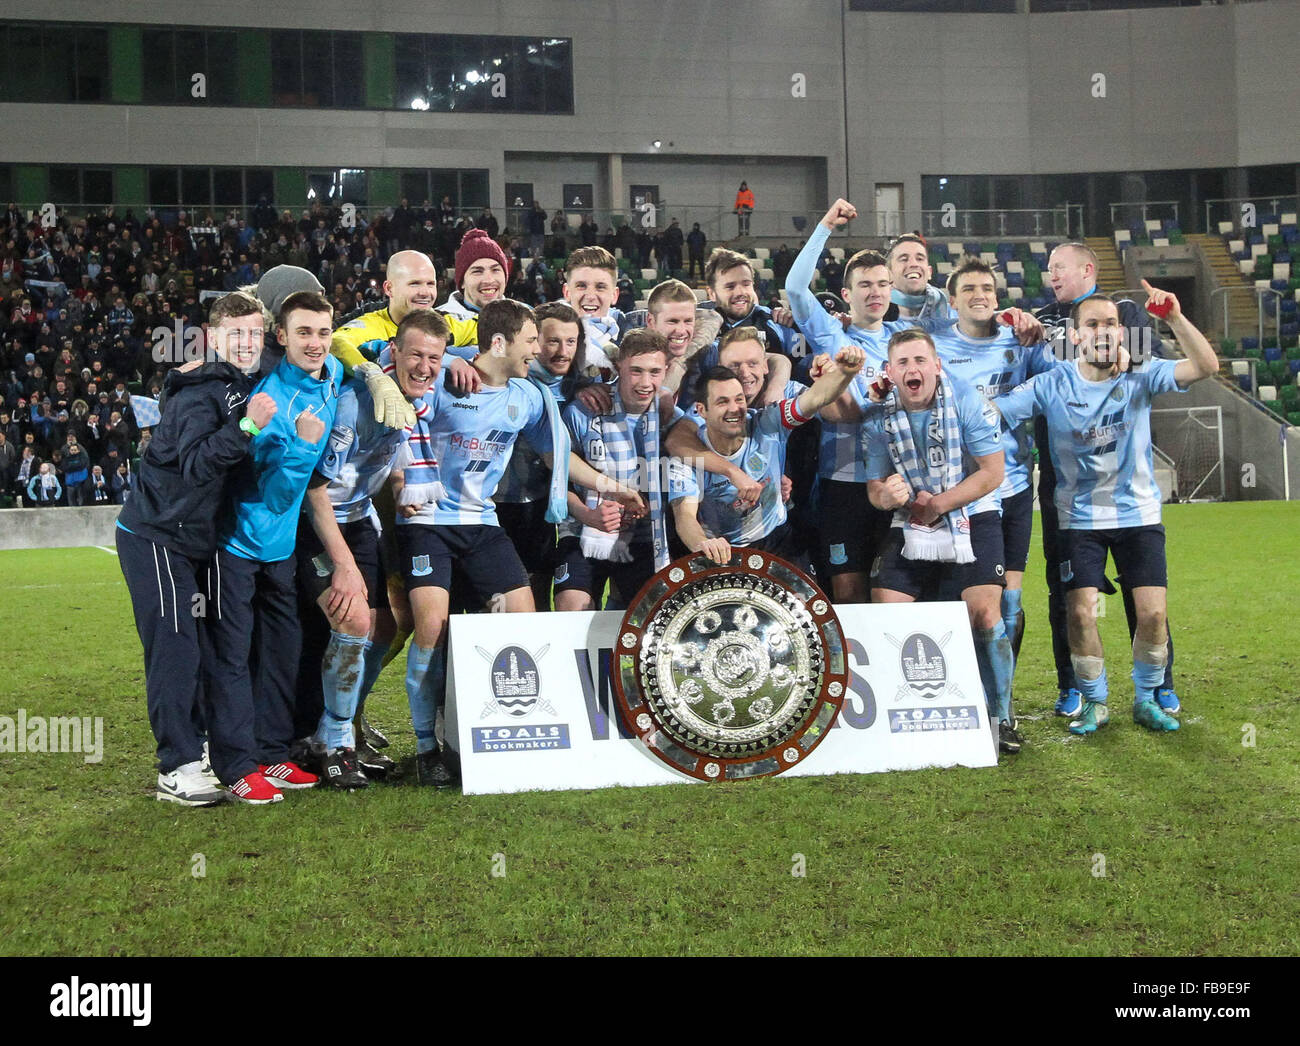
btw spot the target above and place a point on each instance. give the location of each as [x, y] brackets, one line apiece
[1100, 441]
[761, 456]
[993, 367]
[360, 454]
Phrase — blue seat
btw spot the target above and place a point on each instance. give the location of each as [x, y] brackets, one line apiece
[1249, 342]
[1294, 365]
[1289, 306]
[1256, 237]
[1273, 355]
[1244, 381]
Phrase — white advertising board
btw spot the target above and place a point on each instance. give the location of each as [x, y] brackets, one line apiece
[530, 705]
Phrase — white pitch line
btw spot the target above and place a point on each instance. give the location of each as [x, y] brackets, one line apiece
[110, 551]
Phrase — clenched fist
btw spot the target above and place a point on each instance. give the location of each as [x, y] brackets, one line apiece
[310, 427]
[260, 410]
[896, 493]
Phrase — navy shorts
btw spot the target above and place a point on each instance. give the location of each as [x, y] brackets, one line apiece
[315, 569]
[573, 570]
[483, 553]
[533, 537]
[924, 579]
[853, 530]
[1139, 554]
[1017, 528]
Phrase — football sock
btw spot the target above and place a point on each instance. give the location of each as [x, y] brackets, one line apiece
[1090, 674]
[374, 660]
[426, 677]
[1148, 668]
[341, 672]
[993, 651]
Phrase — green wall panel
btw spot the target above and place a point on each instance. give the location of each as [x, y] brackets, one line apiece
[125, 63]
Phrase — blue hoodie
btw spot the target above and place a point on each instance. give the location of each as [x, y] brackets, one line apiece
[263, 523]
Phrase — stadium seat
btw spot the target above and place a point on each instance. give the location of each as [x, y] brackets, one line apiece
[1268, 394]
[943, 268]
[651, 275]
[1152, 225]
[1240, 367]
[1281, 271]
[1258, 248]
[1226, 228]
[1243, 382]
[1249, 342]
[1160, 241]
[762, 253]
[837, 253]
[766, 274]
[1122, 239]
[1017, 267]
[1246, 265]
[1293, 418]
[988, 257]
[1269, 229]
[1272, 353]
[1015, 293]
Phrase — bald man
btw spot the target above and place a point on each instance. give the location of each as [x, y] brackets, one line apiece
[411, 283]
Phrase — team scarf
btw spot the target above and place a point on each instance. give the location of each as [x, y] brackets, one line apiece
[908, 301]
[947, 540]
[602, 346]
[422, 482]
[557, 506]
[611, 450]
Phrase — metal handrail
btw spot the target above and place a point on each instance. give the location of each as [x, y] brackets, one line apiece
[961, 221]
[1254, 375]
[1278, 204]
[1259, 293]
[1144, 204]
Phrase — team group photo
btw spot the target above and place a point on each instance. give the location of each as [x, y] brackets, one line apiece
[666, 482]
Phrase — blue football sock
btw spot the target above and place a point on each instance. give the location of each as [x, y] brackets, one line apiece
[1010, 609]
[1146, 680]
[1094, 689]
[993, 651]
[341, 672]
[373, 665]
[426, 678]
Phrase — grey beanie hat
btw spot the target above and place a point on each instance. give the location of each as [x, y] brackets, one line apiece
[278, 283]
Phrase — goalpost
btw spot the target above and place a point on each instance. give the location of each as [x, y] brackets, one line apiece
[1192, 438]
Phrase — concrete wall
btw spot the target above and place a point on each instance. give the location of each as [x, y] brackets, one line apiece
[58, 527]
[1186, 87]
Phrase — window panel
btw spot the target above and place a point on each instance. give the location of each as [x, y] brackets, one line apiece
[474, 189]
[92, 64]
[196, 186]
[191, 58]
[286, 67]
[414, 186]
[223, 79]
[526, 84]
[227, 187]
[259, 182]
[164, 186]
[59, 67]
[157, 54]
[559, 75]
[317, 69]
[97, 185]
[443, 183]
[349, 71]
[353, 182]
[64, 185]
[411, 80]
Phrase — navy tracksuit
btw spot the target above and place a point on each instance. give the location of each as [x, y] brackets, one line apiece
[165, 538]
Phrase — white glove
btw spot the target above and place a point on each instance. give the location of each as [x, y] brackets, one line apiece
[392, 409]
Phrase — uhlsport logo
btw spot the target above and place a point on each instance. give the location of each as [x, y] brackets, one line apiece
[516, 694]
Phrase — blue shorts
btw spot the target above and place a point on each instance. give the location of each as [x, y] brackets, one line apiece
[533, 537]
[852, 529]
[928, 580]
[1017, 528]
[482, 553]
[1139, 554]
[573, 570]
[316, 570]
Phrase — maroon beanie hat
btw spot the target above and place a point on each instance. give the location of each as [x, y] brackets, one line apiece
[478, 244]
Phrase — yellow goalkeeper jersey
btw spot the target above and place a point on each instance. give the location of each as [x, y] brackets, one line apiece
[361, 340]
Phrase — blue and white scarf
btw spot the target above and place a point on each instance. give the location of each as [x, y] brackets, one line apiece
[611, 450]
[557, 508]
[947, 540]
[602, 346]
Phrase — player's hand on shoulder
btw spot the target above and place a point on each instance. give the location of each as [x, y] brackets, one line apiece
[783, 316]
[463, 378]
[787, 488]
[596, 398]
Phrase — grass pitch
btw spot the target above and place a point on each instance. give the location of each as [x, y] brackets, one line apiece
[1122, 844]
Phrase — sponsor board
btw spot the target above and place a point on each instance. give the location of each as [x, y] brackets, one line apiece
[536, 711]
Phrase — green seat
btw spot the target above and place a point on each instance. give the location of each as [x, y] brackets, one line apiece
[1289, 342]
[1289, 395]
[1293, 418]
[1253, 354]
[1227, 347]
[1275, 242]
[1264, 266]
[1292, 352]
[1270, 341]
[1176, 239]
[1280, 372]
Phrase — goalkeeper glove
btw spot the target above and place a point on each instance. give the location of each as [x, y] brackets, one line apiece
[392, 409]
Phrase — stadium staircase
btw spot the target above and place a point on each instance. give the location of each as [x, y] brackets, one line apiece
[1241, 309]
[1110, 269]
